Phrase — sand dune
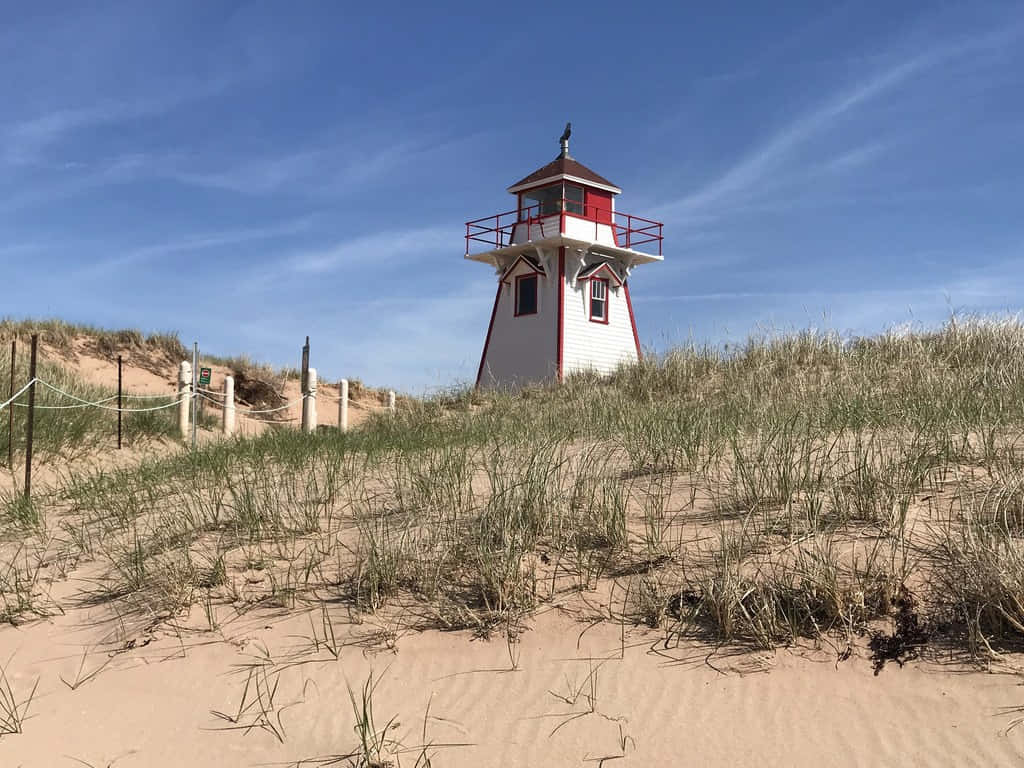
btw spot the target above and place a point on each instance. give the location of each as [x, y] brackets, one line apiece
[236, 683]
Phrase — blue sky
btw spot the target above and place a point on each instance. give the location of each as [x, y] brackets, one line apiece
[249, 173]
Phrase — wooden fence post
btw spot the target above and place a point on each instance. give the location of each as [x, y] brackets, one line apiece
[184, 401]
[391, 403]
[309, 402]
[343, 405]
[229, 405]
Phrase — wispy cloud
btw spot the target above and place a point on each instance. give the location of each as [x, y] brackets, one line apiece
[417, 343]
[406, 342]
[74, 180]
[854, 158]
[193, 243]
[376, 248]
[761, 167]
[367, 155]
[23, 141]
[975, 289]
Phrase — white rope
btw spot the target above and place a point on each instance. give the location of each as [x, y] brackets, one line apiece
[144, 410]
[368, 407]
[59, 391]
[18, 394]
[268, 421]
[275, 410]
[103, 407]
[100, 405]
[141, 410]
[68, 407]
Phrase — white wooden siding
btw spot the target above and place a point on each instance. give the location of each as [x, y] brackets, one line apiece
[536, 230]
[523, 349]
[575, 227]
[582, 229]
[597, 346]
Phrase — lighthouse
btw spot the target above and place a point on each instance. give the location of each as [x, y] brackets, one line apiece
[562, 260]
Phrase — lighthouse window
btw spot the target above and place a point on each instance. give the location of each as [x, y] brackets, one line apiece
[599, 301]
[540, 202]
[526, 295]
[574, 199]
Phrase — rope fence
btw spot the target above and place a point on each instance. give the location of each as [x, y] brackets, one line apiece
[187, 399]
[82, 403]
[191, 393]
[217, 398]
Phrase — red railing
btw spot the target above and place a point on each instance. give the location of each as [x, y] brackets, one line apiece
[628, 231]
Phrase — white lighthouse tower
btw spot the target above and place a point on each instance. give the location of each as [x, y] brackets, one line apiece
[563, 259]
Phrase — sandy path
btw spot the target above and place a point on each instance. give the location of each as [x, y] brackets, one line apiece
[150, 706]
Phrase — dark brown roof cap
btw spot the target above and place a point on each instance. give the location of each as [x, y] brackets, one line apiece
[563, 166]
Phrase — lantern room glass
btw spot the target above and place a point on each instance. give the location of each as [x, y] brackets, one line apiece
[549, 201]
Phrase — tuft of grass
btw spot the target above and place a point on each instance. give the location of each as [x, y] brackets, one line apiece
[375, 742]
[13, 709]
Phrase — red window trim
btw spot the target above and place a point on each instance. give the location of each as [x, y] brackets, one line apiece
[515, 297]
[607, 299]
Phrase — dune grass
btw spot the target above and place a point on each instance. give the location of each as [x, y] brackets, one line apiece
[800, 486]
[61, 335]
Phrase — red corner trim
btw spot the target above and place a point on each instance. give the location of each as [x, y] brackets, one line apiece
[490, 327]
[632, 321]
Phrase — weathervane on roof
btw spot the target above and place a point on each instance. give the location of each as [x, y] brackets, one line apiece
[564, 140]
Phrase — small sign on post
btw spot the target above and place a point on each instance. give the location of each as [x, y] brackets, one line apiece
[205, 374]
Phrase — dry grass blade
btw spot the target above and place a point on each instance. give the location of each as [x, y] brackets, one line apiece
[80, 678]
[13, 712]
[258, 707]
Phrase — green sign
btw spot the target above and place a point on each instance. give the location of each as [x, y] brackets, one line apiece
[204, 377]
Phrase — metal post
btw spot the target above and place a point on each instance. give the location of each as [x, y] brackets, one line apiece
[343, 405]
[31, 416]
[195, 389]
[119, 401]
[10, 412]
[304, 384]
